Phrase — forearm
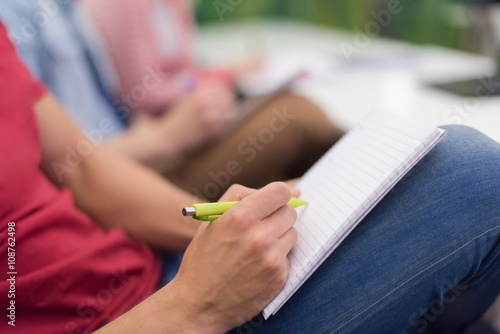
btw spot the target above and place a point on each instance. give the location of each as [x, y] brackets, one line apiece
[185, 126]
[166, 311]
[158, 140]
[117, 192]
[144, 143]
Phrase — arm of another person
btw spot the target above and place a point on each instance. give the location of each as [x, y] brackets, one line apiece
[197, 117]
[111, 188]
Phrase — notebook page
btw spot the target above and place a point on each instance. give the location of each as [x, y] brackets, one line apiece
[346, 183]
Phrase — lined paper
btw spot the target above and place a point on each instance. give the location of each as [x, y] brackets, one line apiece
[346, 183]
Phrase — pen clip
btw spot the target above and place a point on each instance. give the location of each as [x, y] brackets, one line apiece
[205, 218]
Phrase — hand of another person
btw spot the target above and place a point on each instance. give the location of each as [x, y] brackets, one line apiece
[215, 103]
[197, 117]
[228, 74]
[247, 66]
[237, 264]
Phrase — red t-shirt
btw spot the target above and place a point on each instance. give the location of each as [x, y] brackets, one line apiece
[70, 276]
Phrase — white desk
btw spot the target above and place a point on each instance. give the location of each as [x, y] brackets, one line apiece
[393, 74]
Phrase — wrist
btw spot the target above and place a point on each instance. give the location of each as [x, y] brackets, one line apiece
[146, 143]
[187, 315]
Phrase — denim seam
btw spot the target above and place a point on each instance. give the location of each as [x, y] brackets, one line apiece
[481, 270]
[401, 276]
[414, 276]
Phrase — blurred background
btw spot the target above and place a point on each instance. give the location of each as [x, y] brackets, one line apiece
[451, 23]
[435, 60]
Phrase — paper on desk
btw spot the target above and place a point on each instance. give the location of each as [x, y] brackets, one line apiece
[280, 70]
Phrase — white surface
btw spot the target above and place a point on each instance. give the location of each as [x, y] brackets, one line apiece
[386, 74]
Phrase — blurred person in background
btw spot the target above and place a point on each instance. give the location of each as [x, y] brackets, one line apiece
[145, 34]
[151, 34]
[63, 49]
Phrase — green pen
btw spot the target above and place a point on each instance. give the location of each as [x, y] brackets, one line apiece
[211, 211]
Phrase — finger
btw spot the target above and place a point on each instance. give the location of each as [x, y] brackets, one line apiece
[224, 101]
[280, 221]
[141, 117]
[287, 241]
[267, 200]
[236, 192]
[293, 182]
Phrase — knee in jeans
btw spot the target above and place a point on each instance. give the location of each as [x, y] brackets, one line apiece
[474, 159]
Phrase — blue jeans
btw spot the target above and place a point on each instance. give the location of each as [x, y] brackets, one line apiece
[425, 260]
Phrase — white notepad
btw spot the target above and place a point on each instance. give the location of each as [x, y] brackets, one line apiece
[346, 183]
